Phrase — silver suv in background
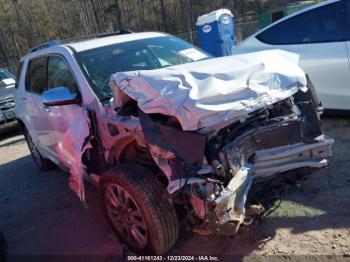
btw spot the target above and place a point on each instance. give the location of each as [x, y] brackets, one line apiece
[167, 132]
[7, 97]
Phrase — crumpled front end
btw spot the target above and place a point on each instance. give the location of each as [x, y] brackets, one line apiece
[215, 173]
[267, 150]
[216, 128]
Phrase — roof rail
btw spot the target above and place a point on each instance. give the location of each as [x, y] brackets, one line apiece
[44, 45]
[85, 37]
[121, 32]
[92, 36]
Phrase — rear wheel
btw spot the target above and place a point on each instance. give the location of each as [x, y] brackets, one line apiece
[136, 208]
[42, 163]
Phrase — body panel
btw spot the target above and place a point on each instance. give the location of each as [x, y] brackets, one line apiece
[30, 109]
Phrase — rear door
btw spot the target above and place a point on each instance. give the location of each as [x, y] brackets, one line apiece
[31, 99]
[317, 37]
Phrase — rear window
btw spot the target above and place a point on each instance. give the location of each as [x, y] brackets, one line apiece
[314, 26]
[36, 76]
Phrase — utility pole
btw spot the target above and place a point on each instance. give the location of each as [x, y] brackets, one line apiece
[165, 24]
[119, 15]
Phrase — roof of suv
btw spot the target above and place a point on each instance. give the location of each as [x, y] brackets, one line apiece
[108, 40]
[86, 44]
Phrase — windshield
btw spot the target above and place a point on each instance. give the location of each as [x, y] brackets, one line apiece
[100, 63]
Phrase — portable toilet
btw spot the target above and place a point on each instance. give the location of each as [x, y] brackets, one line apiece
[216, 32]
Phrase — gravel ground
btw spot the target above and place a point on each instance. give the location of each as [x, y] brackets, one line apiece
[39, 215]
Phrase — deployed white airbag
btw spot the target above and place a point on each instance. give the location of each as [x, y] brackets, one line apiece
[206, 93]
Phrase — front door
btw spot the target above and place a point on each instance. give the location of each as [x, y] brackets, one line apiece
[60, 118]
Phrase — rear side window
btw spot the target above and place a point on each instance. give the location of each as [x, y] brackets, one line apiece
[36, 76]
[60, 75]
[345, 15]
[314, 26]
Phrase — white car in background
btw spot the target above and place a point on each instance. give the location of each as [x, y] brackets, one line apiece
[321, 36]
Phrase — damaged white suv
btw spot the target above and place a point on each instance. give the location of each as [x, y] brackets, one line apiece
[166, 131]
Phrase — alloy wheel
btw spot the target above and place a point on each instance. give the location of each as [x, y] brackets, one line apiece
[126, 216]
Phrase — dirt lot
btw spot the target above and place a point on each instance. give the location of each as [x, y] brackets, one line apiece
[39, 215]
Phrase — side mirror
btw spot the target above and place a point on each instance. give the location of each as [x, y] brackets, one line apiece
[60, 96]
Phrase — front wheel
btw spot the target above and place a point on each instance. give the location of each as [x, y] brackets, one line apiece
[136, 208]
[42, 163]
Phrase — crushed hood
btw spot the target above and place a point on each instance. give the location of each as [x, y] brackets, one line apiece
[207, 93]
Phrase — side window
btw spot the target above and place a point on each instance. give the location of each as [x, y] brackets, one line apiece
[314, 26]
[60, 75]
[36, 75]
[345, 16]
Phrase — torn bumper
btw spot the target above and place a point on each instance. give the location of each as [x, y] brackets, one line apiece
[230, 205]
[277, 149]
[265, 152]
[281, 159]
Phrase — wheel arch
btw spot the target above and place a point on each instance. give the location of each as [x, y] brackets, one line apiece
[129, 150]
[119, 148]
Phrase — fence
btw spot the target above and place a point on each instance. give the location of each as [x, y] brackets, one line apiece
[244, 30]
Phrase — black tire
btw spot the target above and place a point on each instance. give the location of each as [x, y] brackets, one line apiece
[42, 163]
[152, 213]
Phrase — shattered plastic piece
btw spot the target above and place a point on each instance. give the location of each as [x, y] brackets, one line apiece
[212, 92]
[71, 149]
[230, 205]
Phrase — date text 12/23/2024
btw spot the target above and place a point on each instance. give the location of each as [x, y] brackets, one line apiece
[173, 258]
